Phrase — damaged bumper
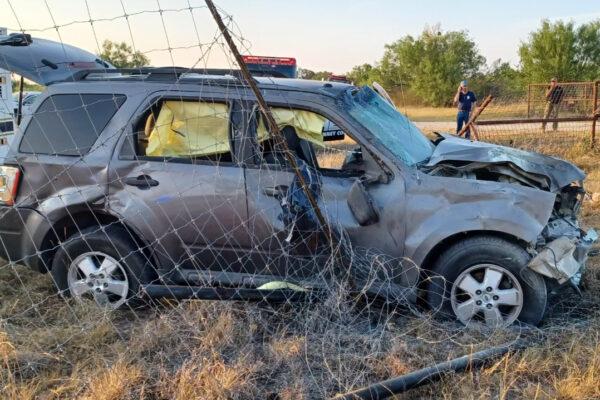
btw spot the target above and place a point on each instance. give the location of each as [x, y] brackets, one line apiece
[564, 258]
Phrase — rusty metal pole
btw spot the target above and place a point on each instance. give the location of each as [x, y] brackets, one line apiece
[594, 112]
[529, 100]
[271, 123]
[20, 106]
[476, 114]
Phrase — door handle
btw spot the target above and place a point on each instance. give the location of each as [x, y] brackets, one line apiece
[141, 182]
[278, 191]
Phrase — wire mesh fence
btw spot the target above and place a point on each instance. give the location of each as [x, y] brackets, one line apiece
[173, 183]
[563, 115]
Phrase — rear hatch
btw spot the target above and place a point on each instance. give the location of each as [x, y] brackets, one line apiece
[45, 61]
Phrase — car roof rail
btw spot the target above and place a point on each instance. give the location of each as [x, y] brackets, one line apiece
[166, 73]
[153, 72]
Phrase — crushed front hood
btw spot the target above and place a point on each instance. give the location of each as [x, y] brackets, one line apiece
[559, 173]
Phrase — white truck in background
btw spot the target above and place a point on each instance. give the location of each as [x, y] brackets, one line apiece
[7, 104]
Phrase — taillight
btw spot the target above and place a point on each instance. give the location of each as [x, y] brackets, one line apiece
[9, 182]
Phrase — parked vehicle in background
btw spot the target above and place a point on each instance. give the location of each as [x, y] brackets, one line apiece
[6, 102]
[282, 67]
[27, 102]
[122, 181]
[338, 78]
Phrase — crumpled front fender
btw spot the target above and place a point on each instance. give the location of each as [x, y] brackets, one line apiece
[564, 258]
[441, 207]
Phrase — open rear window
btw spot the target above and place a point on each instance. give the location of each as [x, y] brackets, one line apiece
[69, 124]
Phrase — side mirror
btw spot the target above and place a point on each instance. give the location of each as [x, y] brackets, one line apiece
[361, 204]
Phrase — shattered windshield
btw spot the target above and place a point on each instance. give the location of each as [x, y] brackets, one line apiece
[392, 129]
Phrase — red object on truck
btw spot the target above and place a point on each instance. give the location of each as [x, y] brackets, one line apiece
[284, 67]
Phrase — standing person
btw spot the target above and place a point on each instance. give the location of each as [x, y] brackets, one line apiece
[554, 97]
[465, 100]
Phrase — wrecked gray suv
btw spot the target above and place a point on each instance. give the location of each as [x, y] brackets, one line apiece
[166, 181]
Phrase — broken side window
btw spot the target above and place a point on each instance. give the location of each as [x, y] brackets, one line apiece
[312, 138]
[186, 129]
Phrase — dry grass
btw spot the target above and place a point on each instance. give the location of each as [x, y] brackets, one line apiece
[439, 114]
[115, 382]
[56, 349]
[429, 113]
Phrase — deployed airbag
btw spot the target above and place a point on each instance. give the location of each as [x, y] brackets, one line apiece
[308, 125]
[190, 129]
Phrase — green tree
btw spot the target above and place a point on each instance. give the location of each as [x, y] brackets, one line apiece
[304, 73]
[432, 65]
[364, 74]
[121, 55]
[28, 86]
[562, 50]
[500, 79]
[588, 50]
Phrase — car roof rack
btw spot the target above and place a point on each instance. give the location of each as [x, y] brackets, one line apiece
[151, 73]
[166, 73]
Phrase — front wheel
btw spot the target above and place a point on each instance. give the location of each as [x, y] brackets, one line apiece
[485, 280]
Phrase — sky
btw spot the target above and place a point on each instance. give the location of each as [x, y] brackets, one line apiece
[332, 35]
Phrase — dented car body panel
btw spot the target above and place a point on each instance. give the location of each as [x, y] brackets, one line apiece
[456, 190]
[441, 207]
[548, 209]
[556, 173]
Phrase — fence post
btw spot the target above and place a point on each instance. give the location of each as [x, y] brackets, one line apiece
[594, 112]
[474, 116]
[529, 100]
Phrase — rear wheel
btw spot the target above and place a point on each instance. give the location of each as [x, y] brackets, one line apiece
[100, 264]
[485, 280]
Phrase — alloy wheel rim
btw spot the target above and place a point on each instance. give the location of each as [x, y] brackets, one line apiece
[98, 276]
[487, 294]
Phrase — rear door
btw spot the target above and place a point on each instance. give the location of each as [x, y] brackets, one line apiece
[177, 179]
[45, 61]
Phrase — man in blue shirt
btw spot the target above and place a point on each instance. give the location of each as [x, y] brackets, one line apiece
[465, 100]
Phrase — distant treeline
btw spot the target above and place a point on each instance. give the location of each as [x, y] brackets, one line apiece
[429, 68]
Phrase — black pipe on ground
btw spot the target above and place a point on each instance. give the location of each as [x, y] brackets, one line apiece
[400, 384]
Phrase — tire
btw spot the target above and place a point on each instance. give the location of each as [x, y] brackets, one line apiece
[451, 292]
[103, 263]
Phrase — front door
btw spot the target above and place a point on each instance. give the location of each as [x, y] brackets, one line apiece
[178, 182]
[278, 246]
[337, 162]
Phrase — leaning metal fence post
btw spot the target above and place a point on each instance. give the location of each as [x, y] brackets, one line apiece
[594, 112]
[529, 100]
[475, 115]
[266, 111]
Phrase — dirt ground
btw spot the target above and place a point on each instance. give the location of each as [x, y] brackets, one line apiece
[51, 348]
